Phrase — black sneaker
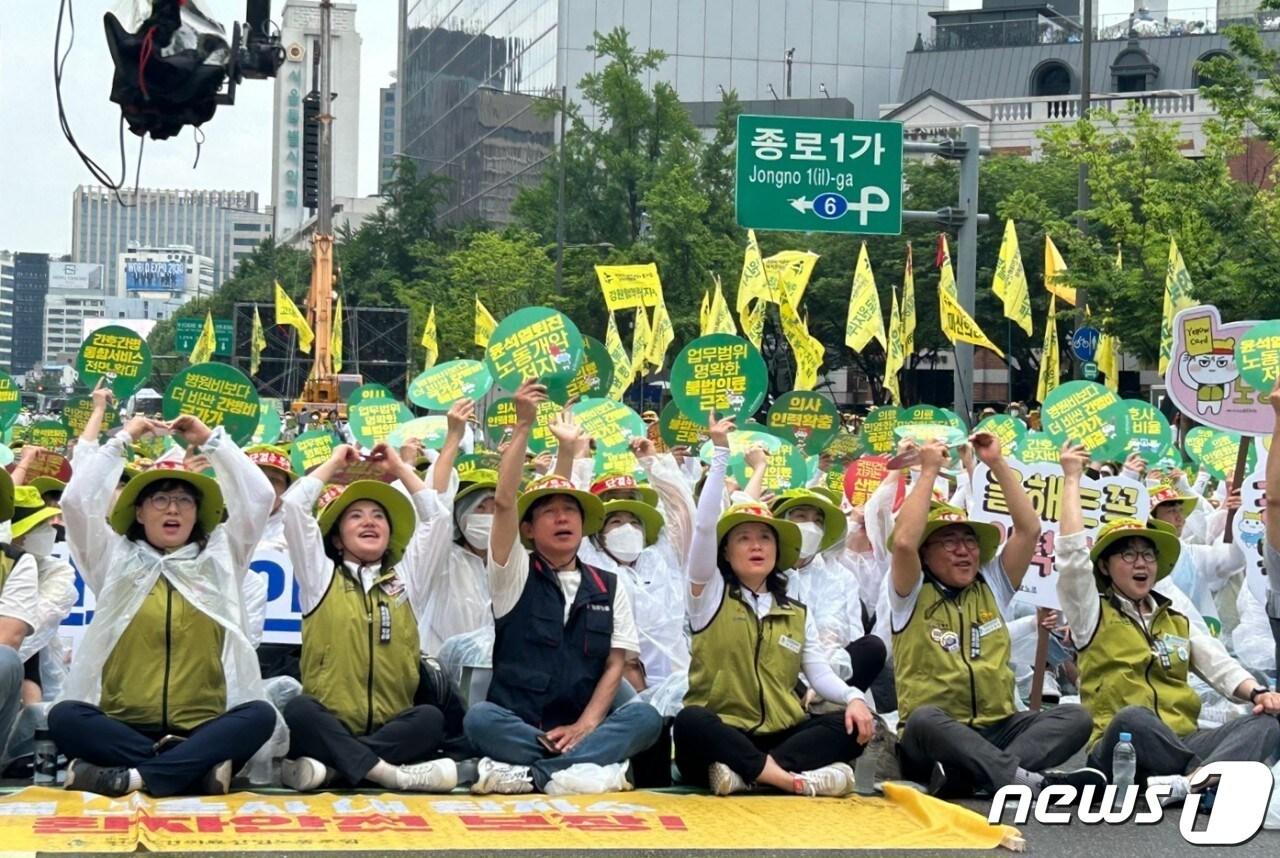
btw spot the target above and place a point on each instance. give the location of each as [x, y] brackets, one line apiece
[1078, 778]
[937, 779]
[112, 782]
[217, 781]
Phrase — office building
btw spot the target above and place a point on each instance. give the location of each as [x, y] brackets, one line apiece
[300, 74]
[30, 287]
[164, 274]
[386, 136]
[468, 71]
[139, 309]
[225, 226]
[76, 292]
[6, 310]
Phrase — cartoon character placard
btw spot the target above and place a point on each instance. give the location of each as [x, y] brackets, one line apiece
[1203, 379]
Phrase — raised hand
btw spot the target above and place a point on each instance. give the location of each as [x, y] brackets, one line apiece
[460, 415]
[719, 430]
[528, 396]
[190, 429]
[1074, 459]
[987, 448]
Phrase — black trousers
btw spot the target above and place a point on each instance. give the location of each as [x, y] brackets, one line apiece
[413, 736]
[987, 758]
[85, 732]
[1160, 751]
[701, 739]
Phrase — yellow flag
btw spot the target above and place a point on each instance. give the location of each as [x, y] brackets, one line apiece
[627, 286]
[621, 363]
[1010, 283]
[641, 342]
[753, 323]
[908, 307]
[896, 356]
[429, 342]
[206, 343]
[257, 342]
[1177, 296]
[808, 350]
[1049, 355]
[335, 337]
[1107, 359]
[704, 313]
[790, 271]
[1055, 272]
[662, 336]
[485, 323]
[287, 314]
[864, 322]
[753, 285]
[957, 324]
[719, 319]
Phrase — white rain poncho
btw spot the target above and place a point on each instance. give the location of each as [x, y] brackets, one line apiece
[57, 584]
[827, 588]
[121, 572]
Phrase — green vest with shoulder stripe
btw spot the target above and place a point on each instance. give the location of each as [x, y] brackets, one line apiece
[745, 668]
[360, 651]
[9, 557]
[1127, 665]
[165, 673]
[953, 653]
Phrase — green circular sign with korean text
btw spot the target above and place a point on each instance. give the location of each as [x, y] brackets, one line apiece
[311, 449]
[611, 424]
[439, 387]
[220, 395]
[740, 442]
[372, 390]
[677, 430]
[925, 414]
[922, 433]
[1076, 411]
[877, 429]
[808, 419]
[430, 430]
[536, 342]
[1258, 356]
[118, 354]
[1141, 428]
[720, 373]
[1035, 448]
[1213, 450]
[844, 446]
[595, 376]
[785, 469]
[372, 420]
[1008, 429]
[49, 434]
[10, 400]
[269, 423]
[76, 413]
[500, 420]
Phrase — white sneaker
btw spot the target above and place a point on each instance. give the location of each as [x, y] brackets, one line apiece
[835, 779]
[304, 774]
[590, 779]
[435, 776]
[502, 778]
[1179, 787]
[725, 781]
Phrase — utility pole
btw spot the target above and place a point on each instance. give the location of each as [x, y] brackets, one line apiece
[1082, 189]
[321, 387]
[564, 107]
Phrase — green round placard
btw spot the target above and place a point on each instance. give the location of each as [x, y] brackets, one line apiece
[10, 400]
[595, 375]
[311, 449]
[535, 342]
[1258, 356]
[372, 390]
[720, 373]
[1036, 448]
[76, 413]
[807, 418]
[1142, 429]
[1075, 412]
[269, 423]
[117, 353]
[611, 424]
[372, 420]
[677, 430]
[500, 419]
[1010, 430]
[220, 395]
[439, 387]
[877, 429]
[49, 434]
[430, 430]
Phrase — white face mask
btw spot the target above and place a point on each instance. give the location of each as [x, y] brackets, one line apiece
[475, 529]
[625, 542]
[39, 540]
[810, 538]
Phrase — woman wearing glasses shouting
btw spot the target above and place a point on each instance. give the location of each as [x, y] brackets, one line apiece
[1136, 651]
[164, 693]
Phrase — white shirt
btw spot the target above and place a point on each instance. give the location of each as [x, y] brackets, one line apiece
[901, 607]
[21, 592]
[506, 584]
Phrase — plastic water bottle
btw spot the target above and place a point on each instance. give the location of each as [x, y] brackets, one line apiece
[44, 769]
[1124, 762]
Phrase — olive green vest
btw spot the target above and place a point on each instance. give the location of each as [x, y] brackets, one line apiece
[8, 559]
[165, 673]
[745, 669]
[1126, 665]
[953, 653]
[360, 651]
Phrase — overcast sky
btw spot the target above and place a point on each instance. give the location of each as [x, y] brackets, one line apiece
[39, 170]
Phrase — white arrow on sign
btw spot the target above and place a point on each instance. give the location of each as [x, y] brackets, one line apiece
[802, 205]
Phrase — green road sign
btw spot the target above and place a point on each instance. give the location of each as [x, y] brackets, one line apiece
[1090, 370]
[187, 331]
[819, 175]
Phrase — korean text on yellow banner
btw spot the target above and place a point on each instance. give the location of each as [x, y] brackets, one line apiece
[629, 286]
[1055, 273]
[864, 322]
[957, 324]
[1010, 282]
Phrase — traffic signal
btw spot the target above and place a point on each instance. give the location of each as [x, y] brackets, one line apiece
[311, 150]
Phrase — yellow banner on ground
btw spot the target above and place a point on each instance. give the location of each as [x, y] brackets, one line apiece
[790, 271]
[957, 324]
[1055, 273]
[1177, 296]
[1010, 281]
[628, 286]
[55, 822]
[864, 322]
[485, 325]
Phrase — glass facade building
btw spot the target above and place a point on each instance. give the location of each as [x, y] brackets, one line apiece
[462, 63]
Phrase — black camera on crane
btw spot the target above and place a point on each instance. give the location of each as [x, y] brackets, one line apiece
[172, 68]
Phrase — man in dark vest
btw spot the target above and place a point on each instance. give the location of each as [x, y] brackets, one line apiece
[562, 631]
